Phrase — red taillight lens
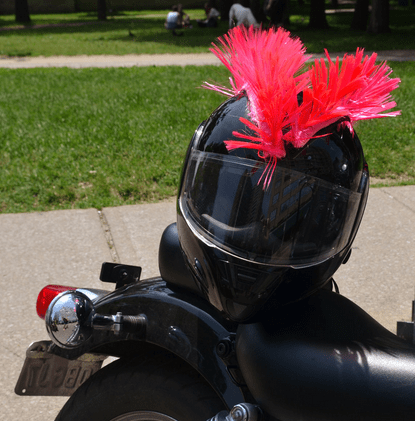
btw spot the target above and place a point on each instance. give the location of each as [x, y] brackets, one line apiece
[46, 296]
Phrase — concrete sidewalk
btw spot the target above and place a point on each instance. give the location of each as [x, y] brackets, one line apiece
[67, 247]
[131, 60]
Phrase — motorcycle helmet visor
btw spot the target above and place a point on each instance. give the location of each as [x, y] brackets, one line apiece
[298, 220]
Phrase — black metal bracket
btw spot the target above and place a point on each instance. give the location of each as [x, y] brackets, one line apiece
[118, 274]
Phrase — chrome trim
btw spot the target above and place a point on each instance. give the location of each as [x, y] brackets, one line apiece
[69, 319]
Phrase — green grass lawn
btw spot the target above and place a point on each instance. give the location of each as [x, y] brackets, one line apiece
[389, 143]
[73, 138]
[106, 137]
[97, 137]
[143, 33]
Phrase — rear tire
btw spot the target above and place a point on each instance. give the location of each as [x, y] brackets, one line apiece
[158, 388]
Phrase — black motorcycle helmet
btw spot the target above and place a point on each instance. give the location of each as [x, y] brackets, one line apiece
[247, 244]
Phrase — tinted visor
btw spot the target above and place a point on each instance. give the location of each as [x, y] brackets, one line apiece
[298, 220]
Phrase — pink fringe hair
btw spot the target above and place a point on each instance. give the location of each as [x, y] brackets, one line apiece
[269, 66]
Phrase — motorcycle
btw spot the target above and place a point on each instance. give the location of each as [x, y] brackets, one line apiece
[194, 346]
[179, 360]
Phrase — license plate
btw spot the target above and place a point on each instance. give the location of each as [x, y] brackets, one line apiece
[46, 374]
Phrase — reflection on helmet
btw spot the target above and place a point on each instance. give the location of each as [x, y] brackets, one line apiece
[245, 243]
[298, 220]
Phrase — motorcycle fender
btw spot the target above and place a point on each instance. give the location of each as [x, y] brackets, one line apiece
[178, 321]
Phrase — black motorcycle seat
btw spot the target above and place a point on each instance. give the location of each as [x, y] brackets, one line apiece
[325, 359]
[172, 265]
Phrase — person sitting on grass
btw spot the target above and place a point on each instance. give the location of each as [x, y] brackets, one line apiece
[173, 21]
[184, 19]
[212, 16]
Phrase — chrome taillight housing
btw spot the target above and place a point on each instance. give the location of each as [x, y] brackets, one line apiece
[69, 318]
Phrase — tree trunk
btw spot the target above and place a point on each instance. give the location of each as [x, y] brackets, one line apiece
[379, 18]
[22, 11]
[224, 7]
[102, 10]
[318, 15]
[257, 10]
[360, 15]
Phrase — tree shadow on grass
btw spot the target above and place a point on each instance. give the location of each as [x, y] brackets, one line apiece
[70, 26]
[133, 30]
[141, 29]
[191, 37]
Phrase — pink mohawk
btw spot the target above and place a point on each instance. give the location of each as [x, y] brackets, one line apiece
[357, 89]
[267, 65]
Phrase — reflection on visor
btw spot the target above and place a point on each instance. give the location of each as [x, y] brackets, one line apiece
[298, 220]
